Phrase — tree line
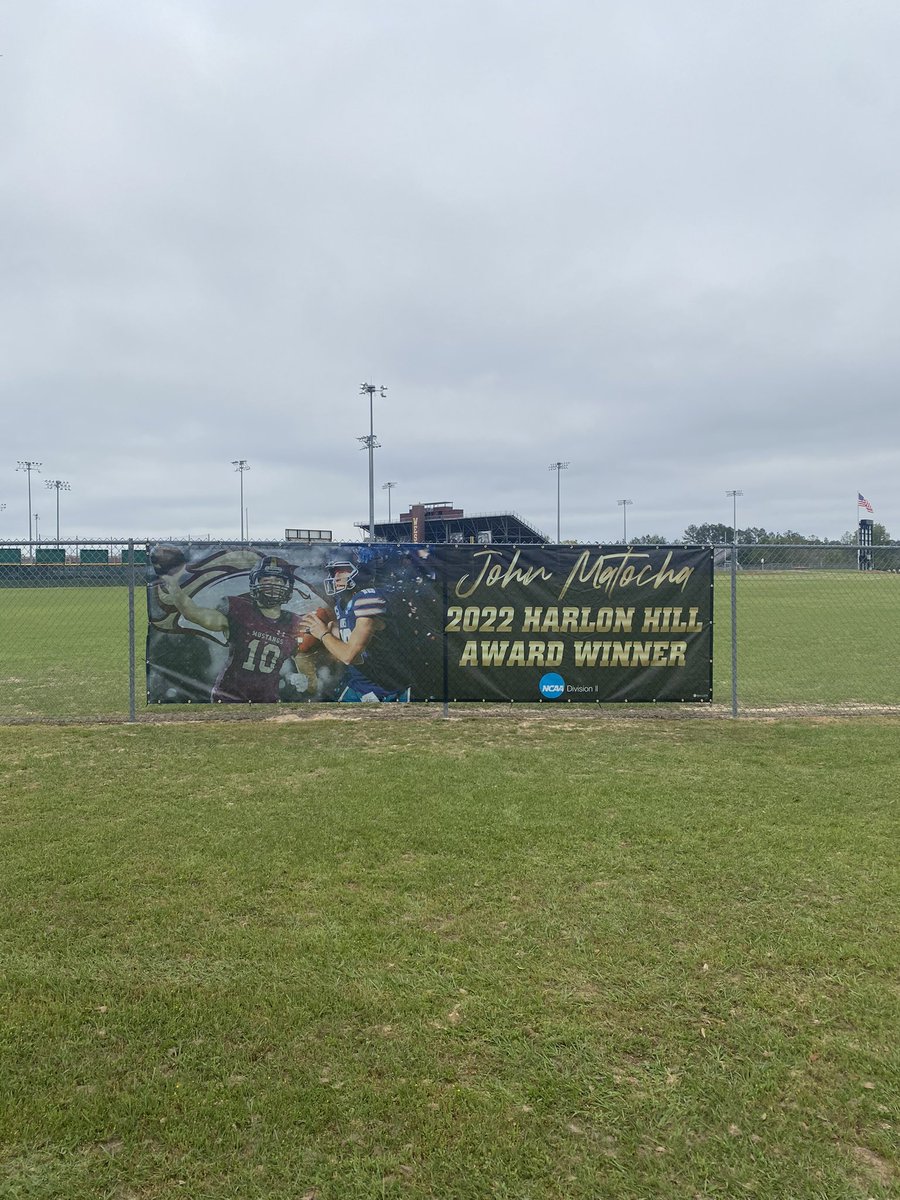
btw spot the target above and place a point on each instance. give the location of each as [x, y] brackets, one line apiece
[715, 533]
[756, 546]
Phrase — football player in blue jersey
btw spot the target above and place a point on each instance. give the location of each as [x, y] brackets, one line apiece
[362, 637]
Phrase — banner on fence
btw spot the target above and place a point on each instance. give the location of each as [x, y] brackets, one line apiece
[417, 622]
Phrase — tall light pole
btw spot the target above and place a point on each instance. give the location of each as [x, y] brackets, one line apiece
[28, 466]
[37, 535]
[624, 504]
[386, 487]
[558, 467]
[369, 389]
[60, 485]
[241, 465]
[734, 493]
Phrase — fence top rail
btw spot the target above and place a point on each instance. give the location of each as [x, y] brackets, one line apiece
[78, 543]
[850, 547]
[87, 542]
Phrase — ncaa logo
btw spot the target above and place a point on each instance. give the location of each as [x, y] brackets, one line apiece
[552, 686]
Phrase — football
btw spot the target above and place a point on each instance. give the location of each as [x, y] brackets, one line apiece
[306, 641]
[165, 560]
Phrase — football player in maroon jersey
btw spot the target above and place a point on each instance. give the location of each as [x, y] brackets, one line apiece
[260, 634]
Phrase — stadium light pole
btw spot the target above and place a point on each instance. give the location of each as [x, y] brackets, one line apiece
[37, 532]
[29, 465]
[624, 504]
[558, 467]
[241, 465]
[369, 389]
[386, 487]
[60, 485]
[734, 493]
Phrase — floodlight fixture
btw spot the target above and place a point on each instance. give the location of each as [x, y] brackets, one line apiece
[28, 465]
[624, 504]
[241, 465]
[558, 467]
[388, 487]
[57, 485]
[734, 493]
[370, 390]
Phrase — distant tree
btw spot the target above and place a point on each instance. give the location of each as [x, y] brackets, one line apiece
[880, 536]
[754, 543]
[650, 539]
[753, 535]
[707, 534]
[791, 538]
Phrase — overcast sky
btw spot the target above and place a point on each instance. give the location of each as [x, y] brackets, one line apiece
[656, 238]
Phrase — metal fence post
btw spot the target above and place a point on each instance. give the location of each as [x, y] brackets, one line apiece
[445, 648]
[131, 680]
[734, 653]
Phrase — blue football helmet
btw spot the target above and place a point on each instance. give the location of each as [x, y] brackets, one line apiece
[332, 588]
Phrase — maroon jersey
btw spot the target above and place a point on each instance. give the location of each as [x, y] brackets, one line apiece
[257, 647]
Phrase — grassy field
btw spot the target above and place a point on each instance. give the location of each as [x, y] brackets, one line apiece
[811, 637]
[355, 958]
[804, 638]
[64, 651]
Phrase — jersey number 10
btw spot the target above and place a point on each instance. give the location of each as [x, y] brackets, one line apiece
[265, 662]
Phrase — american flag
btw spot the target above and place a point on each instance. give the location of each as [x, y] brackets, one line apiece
[862, 502]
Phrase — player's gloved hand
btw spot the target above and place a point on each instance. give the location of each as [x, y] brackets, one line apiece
[298, 681]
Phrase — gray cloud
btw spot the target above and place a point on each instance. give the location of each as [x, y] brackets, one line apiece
[659, 241]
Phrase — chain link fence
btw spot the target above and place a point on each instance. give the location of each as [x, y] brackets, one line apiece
[798, 629]
[811, 628]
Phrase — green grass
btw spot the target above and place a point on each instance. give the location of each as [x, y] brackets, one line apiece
[519, 959]
[804, 638]
[64, 651]
[810, 637]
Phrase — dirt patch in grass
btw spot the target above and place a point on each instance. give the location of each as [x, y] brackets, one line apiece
[876, 1167]
[525, 716]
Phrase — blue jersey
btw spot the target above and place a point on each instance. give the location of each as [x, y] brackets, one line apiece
[379, 669]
